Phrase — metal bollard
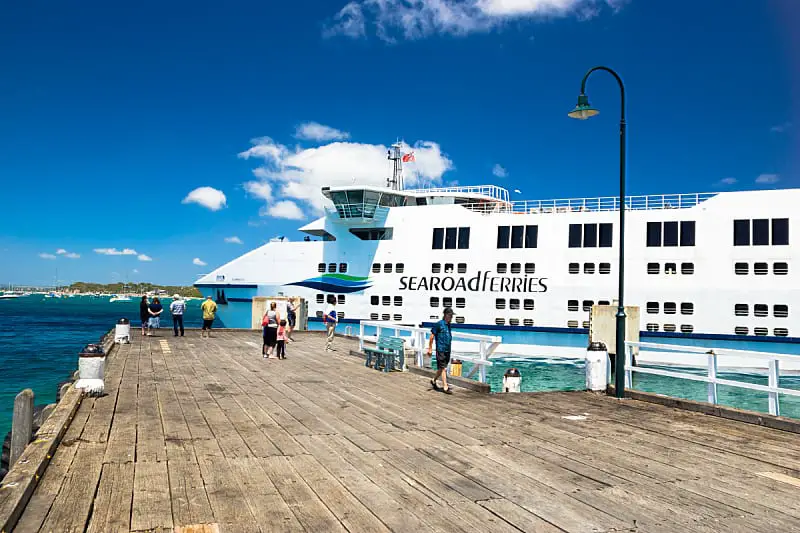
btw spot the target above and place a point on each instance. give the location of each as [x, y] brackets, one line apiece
[512, 380]
[91, 368]
[21, 425]
[122, 331]
[598, 367]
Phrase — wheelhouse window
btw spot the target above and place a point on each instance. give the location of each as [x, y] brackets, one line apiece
[373, 234]
[591, 235]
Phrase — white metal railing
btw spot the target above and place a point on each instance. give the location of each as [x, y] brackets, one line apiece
[773, 388]
[418, 338]
[492, 191]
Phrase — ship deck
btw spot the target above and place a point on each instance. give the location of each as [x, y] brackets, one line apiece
[205, 432]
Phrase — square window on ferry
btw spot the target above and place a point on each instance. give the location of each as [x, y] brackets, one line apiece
[340, 299]
[587, 305]
[653, 268]
[516, 268]
[513, 303]
[671, 233]
[374, 300]
[517, 235]
[386, 300]
[387, 268]
[741, 233]
[448, 268]
[761, 232]
[436, 268]
[670, 268]
[531, 236]
[653, 234]
[652, 308]
[400, 268]
[530, 268]
[342, 268]
[438, 239]
[500, 303]
[447, 301]
[575, 235]
[588, 268]
[320, 298]
[398, 301]
[574, 268]
[503, 236]
[463, 238]
[332, 268]
[450, 238]
[528, 304]
[321, 267]
[502, 268]
[572, 305]
[780, 231]
[606, 235]
[687, 233]
[461, 303]
[590, 235]
[434, 301]
[462, 268]
[670, 308]
[376, 268]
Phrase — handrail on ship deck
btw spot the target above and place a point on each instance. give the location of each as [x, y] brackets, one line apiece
[418, 339]
[773, 388]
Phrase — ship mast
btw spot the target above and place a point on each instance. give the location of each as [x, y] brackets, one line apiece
[396, 181]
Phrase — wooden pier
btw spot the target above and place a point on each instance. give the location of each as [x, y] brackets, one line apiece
[206, 433]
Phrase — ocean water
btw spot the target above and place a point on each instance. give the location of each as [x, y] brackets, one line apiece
[40, 339]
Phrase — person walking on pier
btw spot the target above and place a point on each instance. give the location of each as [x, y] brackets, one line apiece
[330, 319]
[155, 316]
[144, 314]
[441, 332]
[291, 318]
[270, 323]
[177, 308]
[209, 314]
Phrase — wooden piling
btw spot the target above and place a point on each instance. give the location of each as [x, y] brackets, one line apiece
[21, 424]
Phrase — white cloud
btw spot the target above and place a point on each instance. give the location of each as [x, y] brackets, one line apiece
[314, 131]
[233, 240]
[415, 19]
[61, 251]
[299, 174]
[728, 181]
[143, 257]
[767, 179]
[44, 255]
[781, 128]
[207, 197]
[199, 262]
[285, 209]
[499, 171]
[135, 270]
[71, 255]
[114, 251]
[279, 238]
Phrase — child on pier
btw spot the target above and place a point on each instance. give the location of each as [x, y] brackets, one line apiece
[282, 338]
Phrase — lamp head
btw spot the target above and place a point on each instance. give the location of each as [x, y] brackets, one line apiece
[583, 109]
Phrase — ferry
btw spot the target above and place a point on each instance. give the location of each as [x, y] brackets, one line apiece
[709, 266]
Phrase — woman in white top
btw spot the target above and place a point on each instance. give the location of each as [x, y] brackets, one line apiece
[270, 322]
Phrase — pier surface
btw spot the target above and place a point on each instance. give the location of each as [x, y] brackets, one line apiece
[205, 432]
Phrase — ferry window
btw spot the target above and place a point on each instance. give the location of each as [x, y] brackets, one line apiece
[761, 232]
[461, 303]
[780, 269]
[761, 332]
[687, 328]
[587, 305]
[654, 234]
[398, 318]
[342, 268]
[503, 236]
[741, 330]
[572, 323]
[528, 304]
[386, 300]
[374, 300]
[588, 268]
[450, 238]
[516, 268]
[400, 268]
[320, 298]
[781, 332]
[436, 268]
[670, 308]
[575, 235]
[528, 322]
[319, 314]
[398, 301]
[462, 268]
[652, 327]
[670, 234]
[687, 268]
[652, 308]
[780, 311]
[500, 303]
[500, 321]
[780, 231]
[385, 316]
[438, 238]
[459, 320]
[585, 324]
[741, 310]
[760, 269]
[517, 235]
[687, 308]
[653, 268]
[513, 321]
[513, 303]
[340, 299]
[463, 238]
[530, 268]
[376, 268]
[447, 302]
[387, 268]
[605, 268]
[741, 233]
[606, 236]
[603, 302]
[531, 236]
[760, 310]
[590, 235]
[332, 267]
[574, 268]
[572, 305]
[373, 234]
[448, 268]
[321, 267]
[687, 233]
[670, 268]
[741, 269]
[669, 328]
[374, 316]
[434, 301]
[502, 268]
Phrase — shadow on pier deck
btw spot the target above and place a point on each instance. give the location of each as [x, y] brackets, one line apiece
[198, 431]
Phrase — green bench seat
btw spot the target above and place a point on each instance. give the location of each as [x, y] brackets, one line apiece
[388, 353]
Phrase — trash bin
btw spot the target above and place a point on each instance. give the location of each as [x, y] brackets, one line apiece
[512, 380]
[122, 331]
[91, 369]
[455, 367]
[598, 367]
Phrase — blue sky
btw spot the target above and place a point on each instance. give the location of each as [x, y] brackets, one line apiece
[112, 114]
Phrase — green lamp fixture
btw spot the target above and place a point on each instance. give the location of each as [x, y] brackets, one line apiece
[584, 109]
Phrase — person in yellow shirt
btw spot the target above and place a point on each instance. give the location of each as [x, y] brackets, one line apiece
[209, 308]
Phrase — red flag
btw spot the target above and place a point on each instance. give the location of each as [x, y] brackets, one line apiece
[408, 158]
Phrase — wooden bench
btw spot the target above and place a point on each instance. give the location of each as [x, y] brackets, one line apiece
[389, 352]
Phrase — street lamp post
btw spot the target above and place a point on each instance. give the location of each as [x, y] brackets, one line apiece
[583, 111]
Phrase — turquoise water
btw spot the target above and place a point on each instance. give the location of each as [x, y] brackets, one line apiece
[40, 339]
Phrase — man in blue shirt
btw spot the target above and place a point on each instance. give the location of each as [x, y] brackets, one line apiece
[441, 332]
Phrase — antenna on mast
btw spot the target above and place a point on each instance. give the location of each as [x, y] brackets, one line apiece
[396, 181]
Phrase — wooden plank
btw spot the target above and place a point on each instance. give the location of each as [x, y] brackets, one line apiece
[225, 496]
[262, 498]
[519, 517]
[151, 497]
[112, 506]
[190, 503]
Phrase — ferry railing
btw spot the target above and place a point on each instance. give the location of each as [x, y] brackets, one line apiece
[773, 388]
[418, 339]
